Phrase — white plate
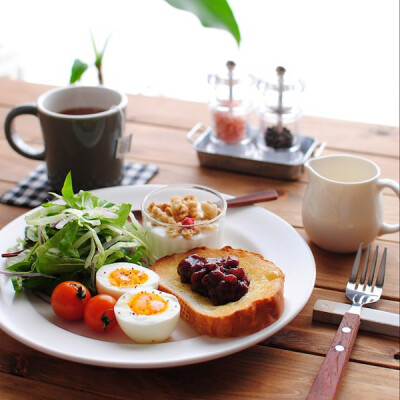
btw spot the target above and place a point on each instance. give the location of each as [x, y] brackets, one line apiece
[31, 321]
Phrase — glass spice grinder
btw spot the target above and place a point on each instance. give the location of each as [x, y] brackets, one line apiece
[280, 113]
[230, 107]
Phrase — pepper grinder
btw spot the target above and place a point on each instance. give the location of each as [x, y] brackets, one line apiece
[280, 114]
[230, 107]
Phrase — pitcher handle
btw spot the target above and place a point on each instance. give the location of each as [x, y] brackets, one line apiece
[391, 184]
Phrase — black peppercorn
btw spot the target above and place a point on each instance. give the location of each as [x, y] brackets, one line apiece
[278, 139]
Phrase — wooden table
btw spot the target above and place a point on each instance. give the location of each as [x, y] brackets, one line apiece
[282, 367]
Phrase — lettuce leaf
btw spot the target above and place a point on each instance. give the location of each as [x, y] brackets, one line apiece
[77, 238]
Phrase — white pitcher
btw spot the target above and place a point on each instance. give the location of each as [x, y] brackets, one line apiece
[342, 206]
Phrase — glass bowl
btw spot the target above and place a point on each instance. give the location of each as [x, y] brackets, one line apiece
[177, 218]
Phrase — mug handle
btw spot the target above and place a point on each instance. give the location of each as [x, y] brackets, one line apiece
[14, 139]
[391, 184]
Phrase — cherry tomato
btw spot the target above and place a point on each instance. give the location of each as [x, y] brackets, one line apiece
[99, 313]
[69, 300]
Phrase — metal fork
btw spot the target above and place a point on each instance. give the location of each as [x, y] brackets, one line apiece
[327, 381]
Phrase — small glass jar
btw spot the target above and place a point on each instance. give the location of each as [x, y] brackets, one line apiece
[279, 133]
[230, 107]
[178, 218]
[280, 112]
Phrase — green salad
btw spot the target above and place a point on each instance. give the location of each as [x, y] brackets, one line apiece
[72, 241]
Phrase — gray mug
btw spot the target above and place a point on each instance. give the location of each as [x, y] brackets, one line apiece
[83, 132]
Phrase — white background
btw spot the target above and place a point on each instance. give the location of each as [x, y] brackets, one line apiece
[347, 51]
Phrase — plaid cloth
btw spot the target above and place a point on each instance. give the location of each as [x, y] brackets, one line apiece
[32, 191]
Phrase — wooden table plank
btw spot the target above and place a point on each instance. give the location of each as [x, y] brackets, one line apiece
[8, 213]
[341, 135]
[256, 373]
[288, 207]
[150, 110]
[333, 270]
[307, 336]
[15, 91]
[17, 388]
[160, 145]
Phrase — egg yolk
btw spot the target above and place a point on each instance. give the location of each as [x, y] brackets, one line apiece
[147, 304]
[122, 277]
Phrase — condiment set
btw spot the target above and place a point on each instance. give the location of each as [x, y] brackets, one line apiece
[278, 113]
[275, 147]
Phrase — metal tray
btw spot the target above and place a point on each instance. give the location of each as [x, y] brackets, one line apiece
[251, 158]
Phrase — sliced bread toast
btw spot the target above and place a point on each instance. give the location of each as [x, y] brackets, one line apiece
[261, 306]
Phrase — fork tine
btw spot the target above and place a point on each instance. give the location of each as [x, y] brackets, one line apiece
[382, 268]
[354, 270]
[373, 266]
[364, 271]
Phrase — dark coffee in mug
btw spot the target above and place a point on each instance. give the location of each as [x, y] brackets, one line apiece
[83, 132]
[82, 111]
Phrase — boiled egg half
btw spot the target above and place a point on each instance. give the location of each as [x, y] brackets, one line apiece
[147, 315]
[115, 279]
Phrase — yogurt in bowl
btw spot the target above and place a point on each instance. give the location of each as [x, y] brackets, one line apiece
[177, 218]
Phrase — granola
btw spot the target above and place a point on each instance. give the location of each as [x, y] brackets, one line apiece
[183, 213]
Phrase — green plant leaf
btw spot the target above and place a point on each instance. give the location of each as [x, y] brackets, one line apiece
[52, 242]
[67, 190]
[49, 264]
[36, 283]
[17, 283]
[99, 55]
[114, 257]
[96, 53]
[69, 238]
[123, 214]
[78, 68]
[21, 266]
[211, 13]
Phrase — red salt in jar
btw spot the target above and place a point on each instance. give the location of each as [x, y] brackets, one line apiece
[230, 107]
[229, 126]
